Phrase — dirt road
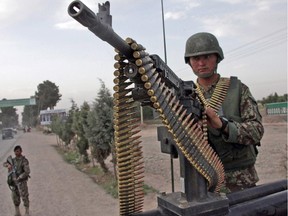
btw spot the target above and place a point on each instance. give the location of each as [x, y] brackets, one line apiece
[58, 189]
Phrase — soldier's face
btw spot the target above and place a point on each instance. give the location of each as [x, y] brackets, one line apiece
[18, 153]
[204, 66]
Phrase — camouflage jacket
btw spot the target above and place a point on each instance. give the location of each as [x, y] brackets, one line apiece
[250, 130]
[22, 168]
[247, 131]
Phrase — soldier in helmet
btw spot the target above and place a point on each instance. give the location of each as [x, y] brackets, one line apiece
[21, 170]
[232, 116]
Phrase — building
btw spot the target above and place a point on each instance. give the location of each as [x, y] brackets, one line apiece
[279, 108]
[46, 116]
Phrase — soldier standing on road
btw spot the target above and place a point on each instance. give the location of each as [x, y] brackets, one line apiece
[22, 171]
[232, 116]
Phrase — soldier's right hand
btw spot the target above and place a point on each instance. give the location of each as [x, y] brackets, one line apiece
[9, 167]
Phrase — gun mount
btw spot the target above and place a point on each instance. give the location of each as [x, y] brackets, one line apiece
[156, 85]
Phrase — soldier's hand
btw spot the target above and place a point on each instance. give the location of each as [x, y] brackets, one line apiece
[9, 167]
[213, 119]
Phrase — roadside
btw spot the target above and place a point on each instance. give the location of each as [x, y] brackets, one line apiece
[56, 188]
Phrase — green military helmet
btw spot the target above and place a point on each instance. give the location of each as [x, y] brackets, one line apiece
[202, 43]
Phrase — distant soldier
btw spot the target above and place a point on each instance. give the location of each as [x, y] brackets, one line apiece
[234, 122]
[18, 174]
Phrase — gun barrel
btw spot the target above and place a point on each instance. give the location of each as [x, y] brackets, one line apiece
[80, 12]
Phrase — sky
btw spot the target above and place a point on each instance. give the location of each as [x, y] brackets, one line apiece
[39, 41]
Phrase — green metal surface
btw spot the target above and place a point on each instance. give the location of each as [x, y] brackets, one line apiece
[17, 102]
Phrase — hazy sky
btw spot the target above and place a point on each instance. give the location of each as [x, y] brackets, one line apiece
[39, 41]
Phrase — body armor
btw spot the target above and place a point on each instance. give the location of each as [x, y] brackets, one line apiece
[234, 156]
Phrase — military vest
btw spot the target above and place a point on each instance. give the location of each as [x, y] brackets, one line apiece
[233, 156]
[18, 165]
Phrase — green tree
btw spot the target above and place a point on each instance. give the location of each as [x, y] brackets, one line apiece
[57, 127]
[30, 115]
[67, 133]
[9, 117]
[274, 98]
[47, 95]
[79, 123]
[100, 130]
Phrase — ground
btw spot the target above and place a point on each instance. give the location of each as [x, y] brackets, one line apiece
[271, 162]
[58, 189]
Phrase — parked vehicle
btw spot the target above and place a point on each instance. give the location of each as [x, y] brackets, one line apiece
[7, 133]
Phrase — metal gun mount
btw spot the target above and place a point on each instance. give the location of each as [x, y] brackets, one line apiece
[264, 200]
[269, 199]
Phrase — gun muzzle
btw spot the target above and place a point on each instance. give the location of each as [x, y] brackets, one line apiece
[80, 12]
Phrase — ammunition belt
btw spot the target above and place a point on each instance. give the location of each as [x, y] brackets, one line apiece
[218, 95]
[187, 134]
[130, 165]
[215, 101]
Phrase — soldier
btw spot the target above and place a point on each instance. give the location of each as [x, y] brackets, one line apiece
[232, 116]
[20, 168]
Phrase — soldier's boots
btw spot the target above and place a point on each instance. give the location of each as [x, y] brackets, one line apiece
[27, 211]
[17, 211]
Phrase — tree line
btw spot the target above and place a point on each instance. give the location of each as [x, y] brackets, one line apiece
[90, 127]
[46, 96]
[273, 98]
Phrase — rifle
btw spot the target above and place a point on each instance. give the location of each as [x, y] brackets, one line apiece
[12, 176]
[156, 85]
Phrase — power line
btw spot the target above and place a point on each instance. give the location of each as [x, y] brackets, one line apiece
[260, 45]
[254, 51]
[259, 39]
[266, 42]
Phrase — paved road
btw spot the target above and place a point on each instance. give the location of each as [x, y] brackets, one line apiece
[56, 188]
[7, 145]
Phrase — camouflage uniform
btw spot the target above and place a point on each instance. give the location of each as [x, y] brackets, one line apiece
[247, 131]
[22, 168]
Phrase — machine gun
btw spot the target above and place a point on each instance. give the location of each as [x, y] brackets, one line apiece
[100, 25]
[156, 85]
